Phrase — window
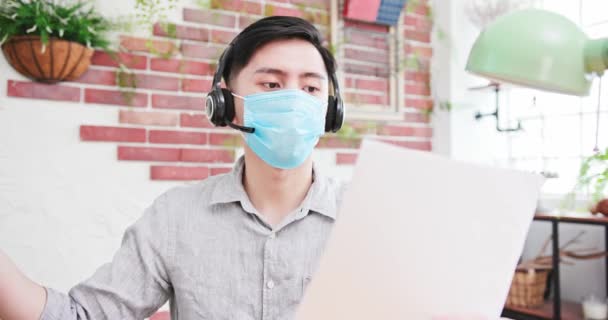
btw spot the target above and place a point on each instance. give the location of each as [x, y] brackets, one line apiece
[559, 130]
[386, 70]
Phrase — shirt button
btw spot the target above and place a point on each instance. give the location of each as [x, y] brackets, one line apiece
[270, 284]
[272, 236]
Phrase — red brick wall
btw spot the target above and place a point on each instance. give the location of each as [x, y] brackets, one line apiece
[162, 121]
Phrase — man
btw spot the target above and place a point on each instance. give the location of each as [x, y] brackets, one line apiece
[237, 246]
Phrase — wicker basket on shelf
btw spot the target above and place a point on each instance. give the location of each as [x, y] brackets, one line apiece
[530, 279]
[528, 287]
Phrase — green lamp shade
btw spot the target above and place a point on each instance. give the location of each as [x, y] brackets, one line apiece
[538, 49]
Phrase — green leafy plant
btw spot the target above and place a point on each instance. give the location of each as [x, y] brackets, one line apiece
[76, 22]
[126, 80]
[147, 14]
[152, 11]
[443, 105]
[593, 176]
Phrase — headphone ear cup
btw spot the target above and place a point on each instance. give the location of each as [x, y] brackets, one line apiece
[229, 112]
[215, 108]
[339, 116]
[330, 116]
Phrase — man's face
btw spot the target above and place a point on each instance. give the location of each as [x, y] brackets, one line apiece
[279, 65]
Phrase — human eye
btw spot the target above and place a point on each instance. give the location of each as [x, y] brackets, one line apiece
[271, 85]
[311, 89]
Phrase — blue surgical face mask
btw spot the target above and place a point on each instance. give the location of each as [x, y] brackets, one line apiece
[287, 123]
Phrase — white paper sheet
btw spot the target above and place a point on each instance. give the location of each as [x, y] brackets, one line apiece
[420, 236]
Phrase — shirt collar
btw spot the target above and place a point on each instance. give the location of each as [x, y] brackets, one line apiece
[320, 197]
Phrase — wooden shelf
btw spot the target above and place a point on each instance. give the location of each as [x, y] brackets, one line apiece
[597, 220]
[570, 311]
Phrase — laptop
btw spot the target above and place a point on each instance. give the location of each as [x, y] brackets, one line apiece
[420, 236]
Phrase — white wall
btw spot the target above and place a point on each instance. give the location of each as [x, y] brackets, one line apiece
[64, 204]
[441, 74]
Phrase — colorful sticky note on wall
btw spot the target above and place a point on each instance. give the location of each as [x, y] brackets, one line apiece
[385, 12]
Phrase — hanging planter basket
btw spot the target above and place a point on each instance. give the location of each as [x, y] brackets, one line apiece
[61, 60]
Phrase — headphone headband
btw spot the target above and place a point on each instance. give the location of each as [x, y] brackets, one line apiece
[217, 77]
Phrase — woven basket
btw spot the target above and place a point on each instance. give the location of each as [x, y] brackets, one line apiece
[528, 288]
[61, 60]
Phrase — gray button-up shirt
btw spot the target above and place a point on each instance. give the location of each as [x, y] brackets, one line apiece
[206, 249]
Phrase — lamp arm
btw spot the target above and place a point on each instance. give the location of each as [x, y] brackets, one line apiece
[596, 56]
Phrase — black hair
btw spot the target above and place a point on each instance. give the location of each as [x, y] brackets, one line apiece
[270, 29]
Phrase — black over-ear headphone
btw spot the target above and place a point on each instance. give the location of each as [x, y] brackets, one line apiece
[219, 104]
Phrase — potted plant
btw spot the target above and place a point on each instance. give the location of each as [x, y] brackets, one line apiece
[50, 41]
[593, 176]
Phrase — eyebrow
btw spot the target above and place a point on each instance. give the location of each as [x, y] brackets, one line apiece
[282, 73]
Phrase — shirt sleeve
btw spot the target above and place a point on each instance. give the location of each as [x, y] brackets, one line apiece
[131, 287]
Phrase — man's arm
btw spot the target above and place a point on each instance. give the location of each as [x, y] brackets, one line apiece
[133, 286]
[20, 297]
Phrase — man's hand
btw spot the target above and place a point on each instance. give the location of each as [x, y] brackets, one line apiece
[20, 298]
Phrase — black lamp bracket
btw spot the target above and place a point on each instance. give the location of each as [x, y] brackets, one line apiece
[496, 113]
